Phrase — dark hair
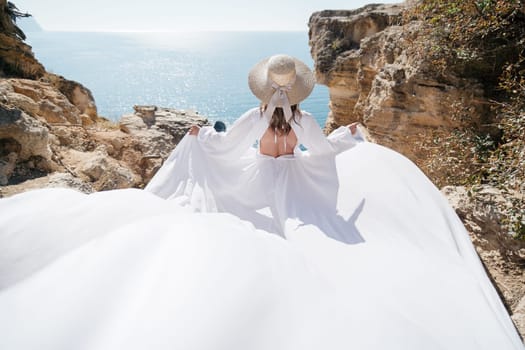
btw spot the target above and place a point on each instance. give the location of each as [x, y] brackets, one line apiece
[219, 126]
[279, 122]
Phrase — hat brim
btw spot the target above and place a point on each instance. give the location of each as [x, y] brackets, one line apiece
[261, 85]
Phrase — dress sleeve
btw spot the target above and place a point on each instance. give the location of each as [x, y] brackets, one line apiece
[237, 140]
[338, 141]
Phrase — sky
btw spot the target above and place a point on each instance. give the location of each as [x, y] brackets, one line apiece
[178, 15]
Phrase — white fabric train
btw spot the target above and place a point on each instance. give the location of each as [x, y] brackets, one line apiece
[374, 257]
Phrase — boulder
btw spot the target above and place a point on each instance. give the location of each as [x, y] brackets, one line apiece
[76, 93]
[150, 134]
[24, 146]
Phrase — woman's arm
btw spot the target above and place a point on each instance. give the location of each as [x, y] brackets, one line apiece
[353, 128]
[194, 130]
[339, 140]
[234, 142]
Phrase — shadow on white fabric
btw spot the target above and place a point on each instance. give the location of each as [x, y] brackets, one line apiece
[354, 249]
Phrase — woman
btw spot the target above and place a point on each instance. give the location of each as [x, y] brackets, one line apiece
[291, 171]
[206, 269]
[274, 81]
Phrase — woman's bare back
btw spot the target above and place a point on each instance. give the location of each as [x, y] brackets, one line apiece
[275, 145]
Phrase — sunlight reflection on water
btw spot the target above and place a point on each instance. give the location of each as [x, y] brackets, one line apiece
[204, 71]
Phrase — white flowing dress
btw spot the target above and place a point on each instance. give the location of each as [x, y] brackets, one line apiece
[344, 245]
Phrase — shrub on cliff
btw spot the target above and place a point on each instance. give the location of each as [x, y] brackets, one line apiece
[16, 57]
[485, 40]
[8, 15]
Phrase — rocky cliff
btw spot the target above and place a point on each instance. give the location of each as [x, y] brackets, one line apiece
[423, 76]
[378, 73]
[52, 135]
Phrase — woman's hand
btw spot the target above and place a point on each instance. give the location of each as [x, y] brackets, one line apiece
[353, 127]
[194, 130]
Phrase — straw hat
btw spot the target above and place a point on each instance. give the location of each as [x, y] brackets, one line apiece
[281, 71]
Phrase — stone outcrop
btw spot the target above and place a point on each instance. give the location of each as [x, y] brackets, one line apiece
[33, 115]
[43, 132]
[378, 74]
[24, 144]
[78, 95]
[41, 100]
[146, 138]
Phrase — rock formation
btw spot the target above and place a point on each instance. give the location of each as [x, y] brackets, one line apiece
[377, 74]
[380, 71]
[51, 134]
[43, 132]
[146, 138]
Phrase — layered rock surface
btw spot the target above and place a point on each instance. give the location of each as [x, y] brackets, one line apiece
[43, 133]
[377, 74]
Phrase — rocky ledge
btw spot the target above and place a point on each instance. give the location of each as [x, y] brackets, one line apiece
[50, 139]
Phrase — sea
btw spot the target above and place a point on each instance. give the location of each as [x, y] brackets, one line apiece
[201, 71]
